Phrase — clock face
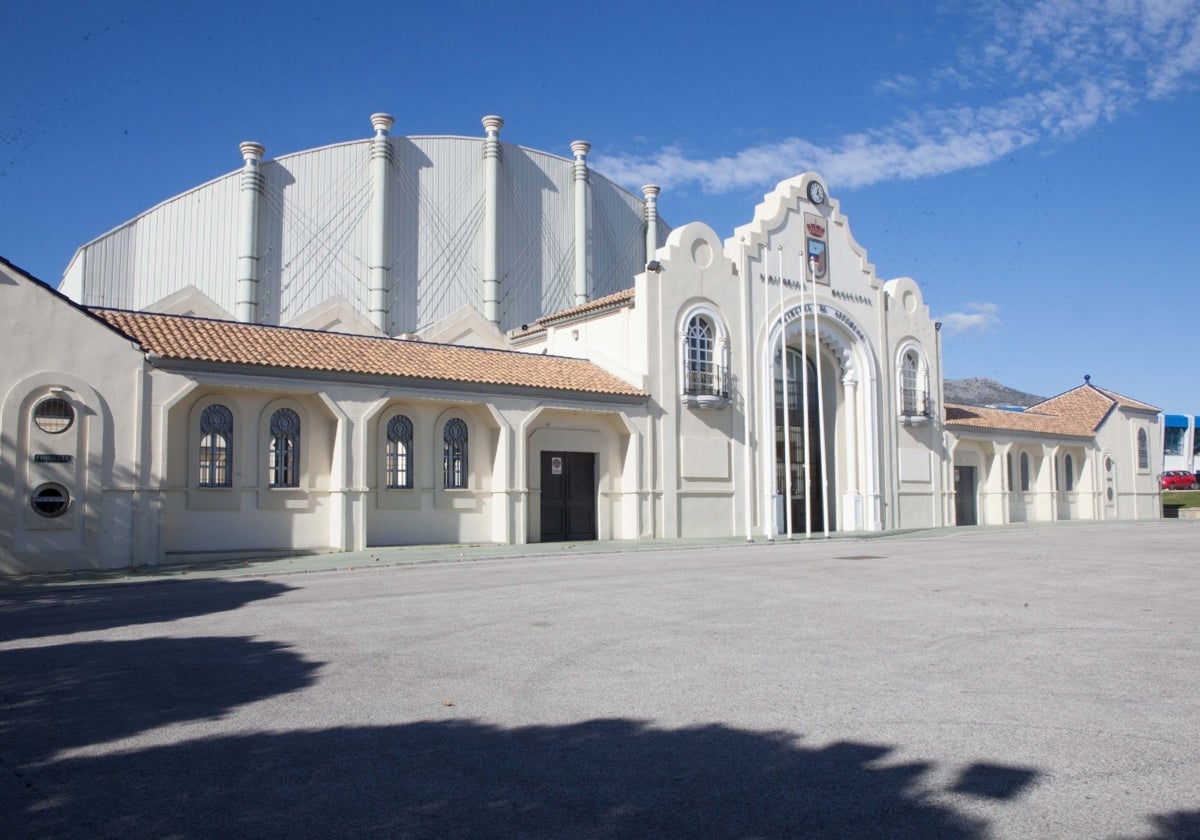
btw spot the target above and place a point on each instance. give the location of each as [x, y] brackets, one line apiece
[816, 193]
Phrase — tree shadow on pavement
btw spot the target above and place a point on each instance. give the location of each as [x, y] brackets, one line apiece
[56, 697]
[461, 778]
[1178, 825]
[28, 612]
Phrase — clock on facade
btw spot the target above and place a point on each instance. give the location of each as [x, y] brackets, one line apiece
[816, 193]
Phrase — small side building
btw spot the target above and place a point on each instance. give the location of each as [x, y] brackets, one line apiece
[1085, 454]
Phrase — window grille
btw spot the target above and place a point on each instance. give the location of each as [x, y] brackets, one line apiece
[216, 439]
[399, 452]
[702, 370]
[454, 457]
[53, 415]
[284, 463]
[910, 393]
[50, 500]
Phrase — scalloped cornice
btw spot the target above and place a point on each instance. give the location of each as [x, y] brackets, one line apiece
[790, 195]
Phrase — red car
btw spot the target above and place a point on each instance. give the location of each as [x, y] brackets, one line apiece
[1178, 480]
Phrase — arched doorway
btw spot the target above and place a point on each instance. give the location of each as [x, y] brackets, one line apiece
[792, 432]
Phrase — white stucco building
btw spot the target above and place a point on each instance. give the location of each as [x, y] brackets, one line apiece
[409, 340]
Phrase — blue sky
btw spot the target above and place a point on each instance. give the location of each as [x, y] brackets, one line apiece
[1034, 166]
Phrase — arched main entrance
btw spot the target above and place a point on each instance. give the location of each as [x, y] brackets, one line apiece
[849, 496]
[797, 437]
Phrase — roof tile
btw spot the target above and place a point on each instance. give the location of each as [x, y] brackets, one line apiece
[199, 339]
[1076, 413]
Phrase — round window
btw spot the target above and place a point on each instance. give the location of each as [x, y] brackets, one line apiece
[50, 500]
[1108, 464]
[1110, 494]
[54, 415]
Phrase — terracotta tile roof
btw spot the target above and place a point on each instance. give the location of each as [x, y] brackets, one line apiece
[540, 325]
[970, 416]
[1127, 402]
[203, 340]
[1076, 413]
[583, 308]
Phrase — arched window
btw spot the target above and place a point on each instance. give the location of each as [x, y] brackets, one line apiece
[1068, 473]
[1024, 472]
[909, 385]
[1012, 482]
[1143, 450]
[399, 452]
[284, 464]
[702, 372]
[454, 455]
[216, 447]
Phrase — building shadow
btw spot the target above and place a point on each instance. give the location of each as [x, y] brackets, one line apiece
[612, 778]
[30, 611]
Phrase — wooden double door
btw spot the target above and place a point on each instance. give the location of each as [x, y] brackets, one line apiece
[568, 496]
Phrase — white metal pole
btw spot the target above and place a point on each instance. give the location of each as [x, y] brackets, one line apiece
[804, 400]
[747, 384]
[771, 522]
[820, 407]
[787, 406]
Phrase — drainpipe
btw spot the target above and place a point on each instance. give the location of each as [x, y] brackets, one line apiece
[247, 277]
[651, 191]
[377, 239]
[581, 148]
[491, 224]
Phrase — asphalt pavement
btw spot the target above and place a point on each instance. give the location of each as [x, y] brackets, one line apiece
[972, 683]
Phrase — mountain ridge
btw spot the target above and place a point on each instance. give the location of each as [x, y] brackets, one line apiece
[980, 391]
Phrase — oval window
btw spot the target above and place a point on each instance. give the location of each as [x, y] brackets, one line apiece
[53, 415]
[50, 500]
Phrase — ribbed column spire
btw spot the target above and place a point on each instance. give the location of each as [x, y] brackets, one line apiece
[651, 191]
[252, 189]
[377, 230]
[581, 149]
[491, 224]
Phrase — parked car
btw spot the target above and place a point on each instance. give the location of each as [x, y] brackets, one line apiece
[1179, 480]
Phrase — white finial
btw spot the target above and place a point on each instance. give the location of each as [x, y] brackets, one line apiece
[382, 122]
[252, 151]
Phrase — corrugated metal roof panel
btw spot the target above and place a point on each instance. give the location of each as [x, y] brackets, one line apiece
[313, 229]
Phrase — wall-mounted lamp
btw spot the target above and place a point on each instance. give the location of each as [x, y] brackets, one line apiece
[654, 265]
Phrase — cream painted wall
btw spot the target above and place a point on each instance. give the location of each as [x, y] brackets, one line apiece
[52, 349]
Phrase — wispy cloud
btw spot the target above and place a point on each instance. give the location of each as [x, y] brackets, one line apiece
[1071, 64]
[977, 318]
